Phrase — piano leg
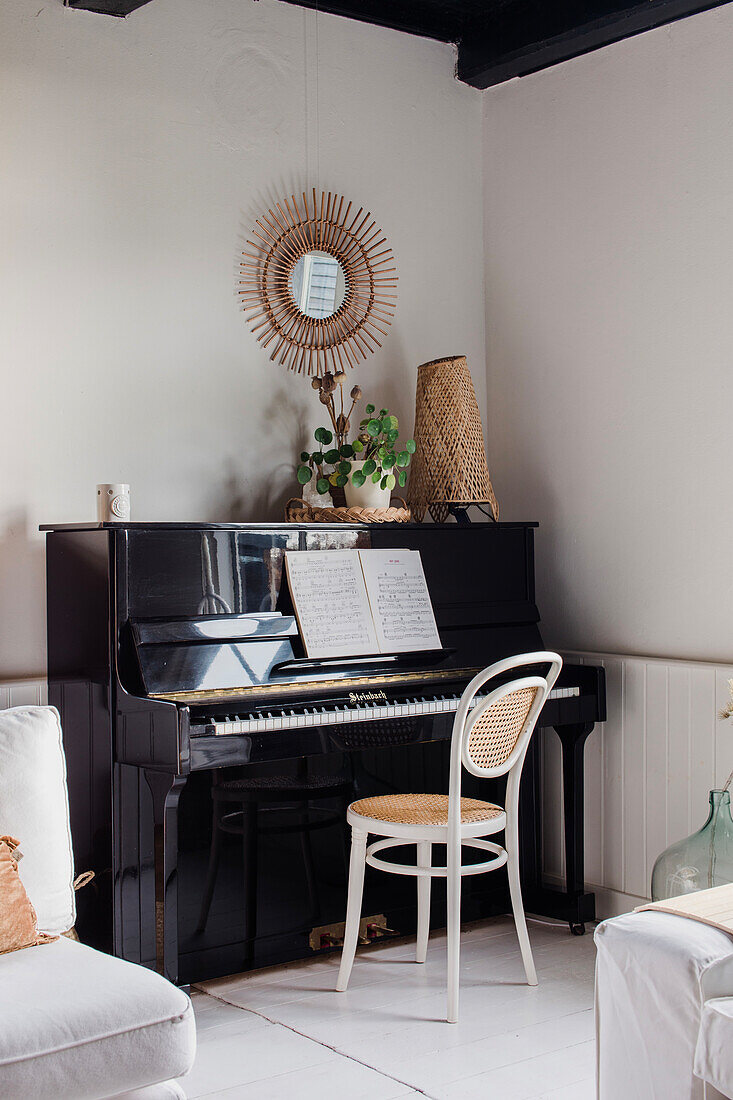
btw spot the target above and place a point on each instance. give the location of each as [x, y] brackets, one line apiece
[166, 790]
[572, 904]
[581, 905]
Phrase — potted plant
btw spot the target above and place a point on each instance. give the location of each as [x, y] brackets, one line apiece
[368, 469]
[380, 462]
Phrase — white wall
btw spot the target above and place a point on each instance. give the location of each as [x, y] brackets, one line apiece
[609, 270]
[136, 154]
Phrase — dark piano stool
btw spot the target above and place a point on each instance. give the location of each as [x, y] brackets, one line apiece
[271, 794]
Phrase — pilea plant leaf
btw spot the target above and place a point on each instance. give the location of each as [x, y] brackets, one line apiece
[386, 458]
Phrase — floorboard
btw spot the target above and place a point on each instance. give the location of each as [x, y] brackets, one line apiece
[283, 1032]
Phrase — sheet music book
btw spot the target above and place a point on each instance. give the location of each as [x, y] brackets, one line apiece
[350, 602]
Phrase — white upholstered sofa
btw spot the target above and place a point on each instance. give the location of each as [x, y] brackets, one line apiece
[664, 1009]
[74, 1023]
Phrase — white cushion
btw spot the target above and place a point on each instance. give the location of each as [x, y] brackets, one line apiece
[648, 972]
[76, 1024]
[34, 808]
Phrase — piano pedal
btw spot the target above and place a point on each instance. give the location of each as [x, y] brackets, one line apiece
[379, 932]
[329, 936]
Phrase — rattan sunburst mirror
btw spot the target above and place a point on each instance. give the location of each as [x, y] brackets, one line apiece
[319, 283]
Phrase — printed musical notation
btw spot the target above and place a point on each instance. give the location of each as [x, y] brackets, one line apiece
[351, 602]
[330, 600]
[400, 600]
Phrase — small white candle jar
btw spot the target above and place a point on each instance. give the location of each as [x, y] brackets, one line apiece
[113, 503]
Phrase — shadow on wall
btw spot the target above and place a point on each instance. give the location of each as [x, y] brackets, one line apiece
[256, 489]
[22, 599]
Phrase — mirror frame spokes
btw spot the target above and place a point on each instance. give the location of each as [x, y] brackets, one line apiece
[283, 236]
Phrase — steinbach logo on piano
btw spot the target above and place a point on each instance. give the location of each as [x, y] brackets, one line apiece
[367, 697]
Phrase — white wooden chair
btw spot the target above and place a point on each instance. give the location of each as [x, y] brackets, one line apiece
[490, 738]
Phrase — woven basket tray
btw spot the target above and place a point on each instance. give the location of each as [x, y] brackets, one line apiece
[298, 511]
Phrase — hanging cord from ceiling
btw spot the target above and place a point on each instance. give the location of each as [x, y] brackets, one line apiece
[318, 101]
[312, 97]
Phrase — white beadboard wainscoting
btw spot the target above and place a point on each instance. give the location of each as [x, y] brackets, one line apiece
[22, 693]
[648, 771]
[648, 768]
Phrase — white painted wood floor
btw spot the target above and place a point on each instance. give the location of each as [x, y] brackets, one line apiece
[284, 1034]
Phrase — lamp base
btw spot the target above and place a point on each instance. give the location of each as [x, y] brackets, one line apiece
[460, 512]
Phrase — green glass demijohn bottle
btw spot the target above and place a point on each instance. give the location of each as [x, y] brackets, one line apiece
[699, 861]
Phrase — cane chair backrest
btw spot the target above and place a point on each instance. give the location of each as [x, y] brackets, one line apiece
[494, 735]
[491, 738]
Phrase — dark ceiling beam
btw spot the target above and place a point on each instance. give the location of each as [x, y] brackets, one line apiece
[482, 65]
[441, 19]
[106, 7]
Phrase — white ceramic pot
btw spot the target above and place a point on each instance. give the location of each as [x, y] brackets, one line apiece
[368, 495]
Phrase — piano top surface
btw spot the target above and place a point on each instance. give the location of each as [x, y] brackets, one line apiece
[173, 525]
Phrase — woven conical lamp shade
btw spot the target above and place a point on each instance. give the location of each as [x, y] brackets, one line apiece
[449, 465]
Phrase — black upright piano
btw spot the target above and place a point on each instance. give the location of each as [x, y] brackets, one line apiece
[175, 662]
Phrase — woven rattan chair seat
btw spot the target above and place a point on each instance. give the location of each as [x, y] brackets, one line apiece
[423, 809]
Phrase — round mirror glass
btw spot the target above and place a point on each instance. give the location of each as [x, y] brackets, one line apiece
[318, 284]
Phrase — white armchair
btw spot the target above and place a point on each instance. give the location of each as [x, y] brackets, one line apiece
[75, 1024]
[663, 1028]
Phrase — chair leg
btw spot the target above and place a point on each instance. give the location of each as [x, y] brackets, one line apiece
[424, 859]
[357, 866]
[453, 925]
[212, 870]
[515, 891]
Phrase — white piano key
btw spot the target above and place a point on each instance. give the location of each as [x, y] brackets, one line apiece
[261, 722]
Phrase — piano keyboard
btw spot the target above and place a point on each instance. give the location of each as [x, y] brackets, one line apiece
[282, 718]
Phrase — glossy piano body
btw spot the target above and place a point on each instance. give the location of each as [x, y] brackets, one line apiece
[172, 656]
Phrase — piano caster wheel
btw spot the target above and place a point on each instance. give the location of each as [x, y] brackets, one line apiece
[577, 929]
